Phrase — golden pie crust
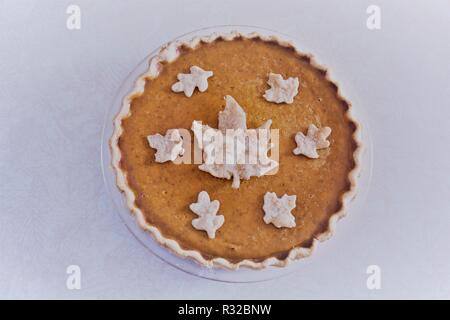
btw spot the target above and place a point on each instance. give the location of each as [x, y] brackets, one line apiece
[159, 194]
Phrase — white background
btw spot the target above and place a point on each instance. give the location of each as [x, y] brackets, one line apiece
[56, 85]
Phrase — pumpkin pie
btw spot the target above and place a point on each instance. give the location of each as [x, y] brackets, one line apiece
[260, 219]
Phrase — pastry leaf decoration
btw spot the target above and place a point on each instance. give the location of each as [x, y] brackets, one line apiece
[168, 147]
[248, 158]
[314, 140]
[281, 90]
[278, 210]
[187, 82]
[207, 220]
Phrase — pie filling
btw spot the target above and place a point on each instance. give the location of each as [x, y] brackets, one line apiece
[164, 191]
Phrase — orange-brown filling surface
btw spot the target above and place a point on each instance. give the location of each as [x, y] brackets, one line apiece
[165, 190]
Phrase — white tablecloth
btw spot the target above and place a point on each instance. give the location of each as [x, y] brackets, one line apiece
[56, 84]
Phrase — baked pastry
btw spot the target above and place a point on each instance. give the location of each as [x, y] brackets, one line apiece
[272, 82]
